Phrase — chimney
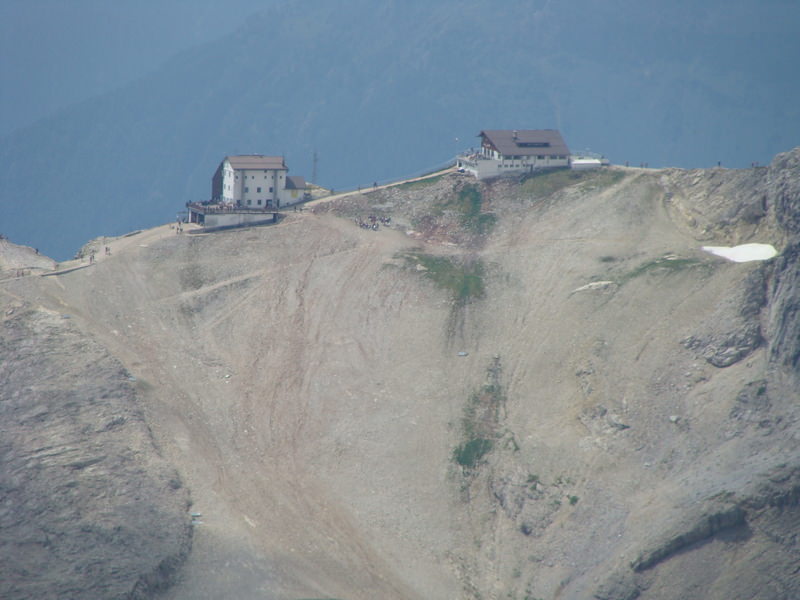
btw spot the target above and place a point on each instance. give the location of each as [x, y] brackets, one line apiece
[515, 134]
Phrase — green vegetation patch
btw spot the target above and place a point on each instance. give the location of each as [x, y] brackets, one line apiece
[421, 183]
[470, 453]
[665, 265]
[547, 182]
[468, 203]
[479, 425]
[463, 279]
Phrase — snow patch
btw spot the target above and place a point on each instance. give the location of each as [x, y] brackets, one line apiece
[595, 285]
[743, 253]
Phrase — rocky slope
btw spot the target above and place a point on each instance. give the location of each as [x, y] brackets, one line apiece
[89, 508]
[536, 388]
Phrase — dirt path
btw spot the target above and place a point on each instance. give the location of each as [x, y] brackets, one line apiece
[368, 189]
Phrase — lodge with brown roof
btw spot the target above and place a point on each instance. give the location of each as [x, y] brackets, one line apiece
[514, 152]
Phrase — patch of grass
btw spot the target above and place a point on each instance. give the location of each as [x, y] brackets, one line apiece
[605, 177]
[480, 421]
[463, 279]
[470, 453]
[422, 183]
[547, 182]
[666, 265]
[467, 203]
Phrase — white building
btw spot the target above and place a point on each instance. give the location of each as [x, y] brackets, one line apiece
[248, 190]
[256, 181]
[514, 152]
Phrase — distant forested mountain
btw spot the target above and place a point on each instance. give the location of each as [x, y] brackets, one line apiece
[384, 88]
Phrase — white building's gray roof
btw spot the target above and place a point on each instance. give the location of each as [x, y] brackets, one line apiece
[256, 161]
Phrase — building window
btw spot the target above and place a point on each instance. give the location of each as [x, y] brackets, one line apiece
[249, 202]
[258, 190]
[246, 189]
[270, 190]
[259, 202]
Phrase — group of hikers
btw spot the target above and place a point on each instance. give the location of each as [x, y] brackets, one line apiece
[93, 253]
[373, 222]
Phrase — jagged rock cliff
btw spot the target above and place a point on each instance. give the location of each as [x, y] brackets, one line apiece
[536, 388]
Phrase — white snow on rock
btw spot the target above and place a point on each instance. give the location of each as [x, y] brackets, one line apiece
[743, 253]
[595, 285]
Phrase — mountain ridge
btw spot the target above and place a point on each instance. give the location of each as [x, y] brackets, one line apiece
[427, 86]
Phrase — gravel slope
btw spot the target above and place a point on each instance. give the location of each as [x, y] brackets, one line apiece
[313, 382]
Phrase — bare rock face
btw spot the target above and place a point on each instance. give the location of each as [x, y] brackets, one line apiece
[783, 190]
[734, 330]
[88, 507]
[784, 318]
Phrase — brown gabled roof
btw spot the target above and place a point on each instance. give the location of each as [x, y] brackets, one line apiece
[256, 161]
[295, 182]
[526, 142]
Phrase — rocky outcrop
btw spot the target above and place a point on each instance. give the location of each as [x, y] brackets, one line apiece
[734, 330]
[734, 202]
[89, 508]
[783, 192]
[759, 522]
[784, 315]
[702, 529]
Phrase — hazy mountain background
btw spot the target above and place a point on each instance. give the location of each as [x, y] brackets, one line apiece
[116, 126]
